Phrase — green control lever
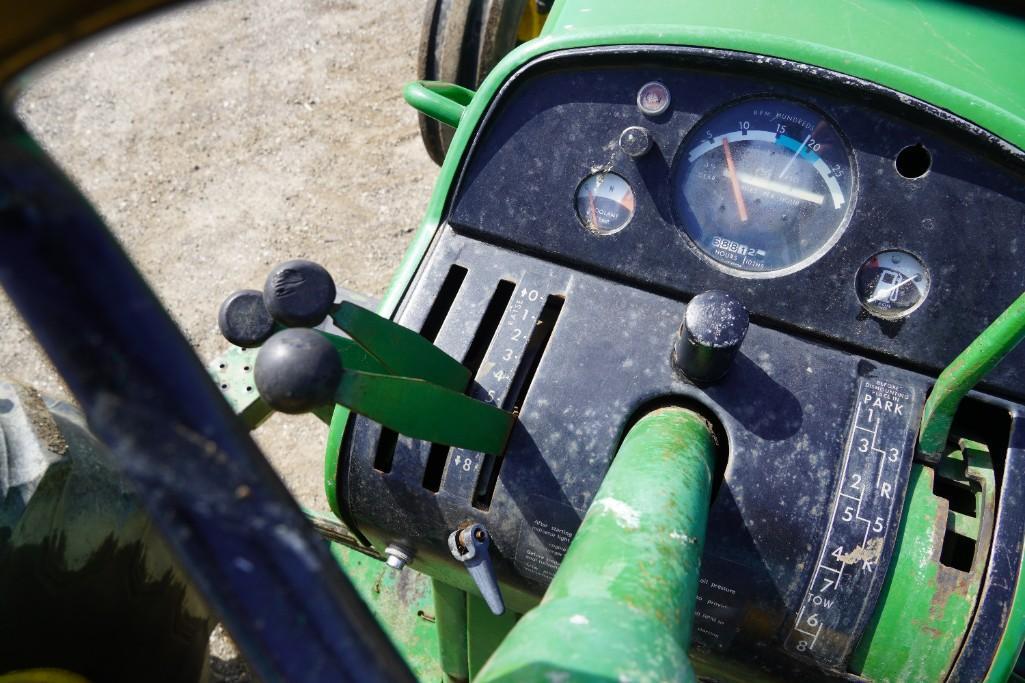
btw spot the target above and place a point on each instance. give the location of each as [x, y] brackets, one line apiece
[300, 370]
[301, 293]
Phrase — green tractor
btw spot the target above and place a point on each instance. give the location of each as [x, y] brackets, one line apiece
[701, 365]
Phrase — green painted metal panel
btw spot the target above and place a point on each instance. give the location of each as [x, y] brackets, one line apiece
[485, 632]
[403, 603]
[232, 370]
[961, 58]
[450, 613]
[925, 608]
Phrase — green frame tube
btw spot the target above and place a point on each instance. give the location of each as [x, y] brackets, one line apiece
[981, 356]
[621, 605]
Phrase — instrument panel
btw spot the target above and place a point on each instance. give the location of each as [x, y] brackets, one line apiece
[831, 207]
[870, 239]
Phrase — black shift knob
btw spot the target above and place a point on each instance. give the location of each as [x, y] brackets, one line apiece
[244, 320]
[297, 370]
[713, 329]
[299, 293]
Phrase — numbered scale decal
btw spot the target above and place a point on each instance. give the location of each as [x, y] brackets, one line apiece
[494, 381]
[865, 515]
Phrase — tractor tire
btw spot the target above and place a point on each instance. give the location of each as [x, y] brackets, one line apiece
[86, 584]
[462, 40]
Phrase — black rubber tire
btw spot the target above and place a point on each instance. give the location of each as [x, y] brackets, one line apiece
[87, 585]
[461, 42]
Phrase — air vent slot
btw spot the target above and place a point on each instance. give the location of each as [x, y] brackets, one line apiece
[386, 443]
[532, 355]
[488, 325]
[437, 457]
[443, 303]
[385, 453]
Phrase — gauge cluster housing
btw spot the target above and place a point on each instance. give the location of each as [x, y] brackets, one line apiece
[967, 209]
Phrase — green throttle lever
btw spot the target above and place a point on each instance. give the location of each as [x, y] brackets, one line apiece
[298, 370]
[301, 293]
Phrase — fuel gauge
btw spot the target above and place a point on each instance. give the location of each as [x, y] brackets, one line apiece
[892, 284]
[605, 203]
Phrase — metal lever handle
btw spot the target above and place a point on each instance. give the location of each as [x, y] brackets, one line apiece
[470, 546]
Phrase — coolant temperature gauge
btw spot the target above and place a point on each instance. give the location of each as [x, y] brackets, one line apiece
[892, 284]
[605, 203]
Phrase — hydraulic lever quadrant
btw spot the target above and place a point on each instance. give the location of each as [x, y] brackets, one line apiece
[384, 371]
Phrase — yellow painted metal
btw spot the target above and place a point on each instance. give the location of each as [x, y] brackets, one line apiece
[32, 31]
[531, 22]
[42, 676]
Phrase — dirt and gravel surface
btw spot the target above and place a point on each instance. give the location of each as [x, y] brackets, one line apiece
[223, 138]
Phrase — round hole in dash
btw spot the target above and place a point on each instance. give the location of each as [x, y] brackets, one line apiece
[224, 386]
[249, 388]
[245, 368]
[221, 366]
[913, 161]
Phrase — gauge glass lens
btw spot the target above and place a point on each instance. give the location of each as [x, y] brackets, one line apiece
[892, 284]
[763, 186]
[653, 98]
[605, 202]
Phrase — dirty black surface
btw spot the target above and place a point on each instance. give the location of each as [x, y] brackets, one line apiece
[786, 407]
[969, 209]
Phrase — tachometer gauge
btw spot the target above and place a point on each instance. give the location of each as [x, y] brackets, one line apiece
[764, 186]
[605, 202]
[892, 284]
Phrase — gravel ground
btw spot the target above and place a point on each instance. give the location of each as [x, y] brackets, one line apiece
[221, 139]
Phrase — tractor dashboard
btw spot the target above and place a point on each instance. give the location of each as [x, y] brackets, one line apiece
[869, 236]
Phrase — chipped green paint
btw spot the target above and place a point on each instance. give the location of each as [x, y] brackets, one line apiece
[925, 608]
[403, 604]
[625, 592]
[232, 370]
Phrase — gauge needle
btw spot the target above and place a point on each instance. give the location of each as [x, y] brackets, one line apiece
[787, 167]
[594, 211]
[893, 289]
[732, 171]
[779, 188]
